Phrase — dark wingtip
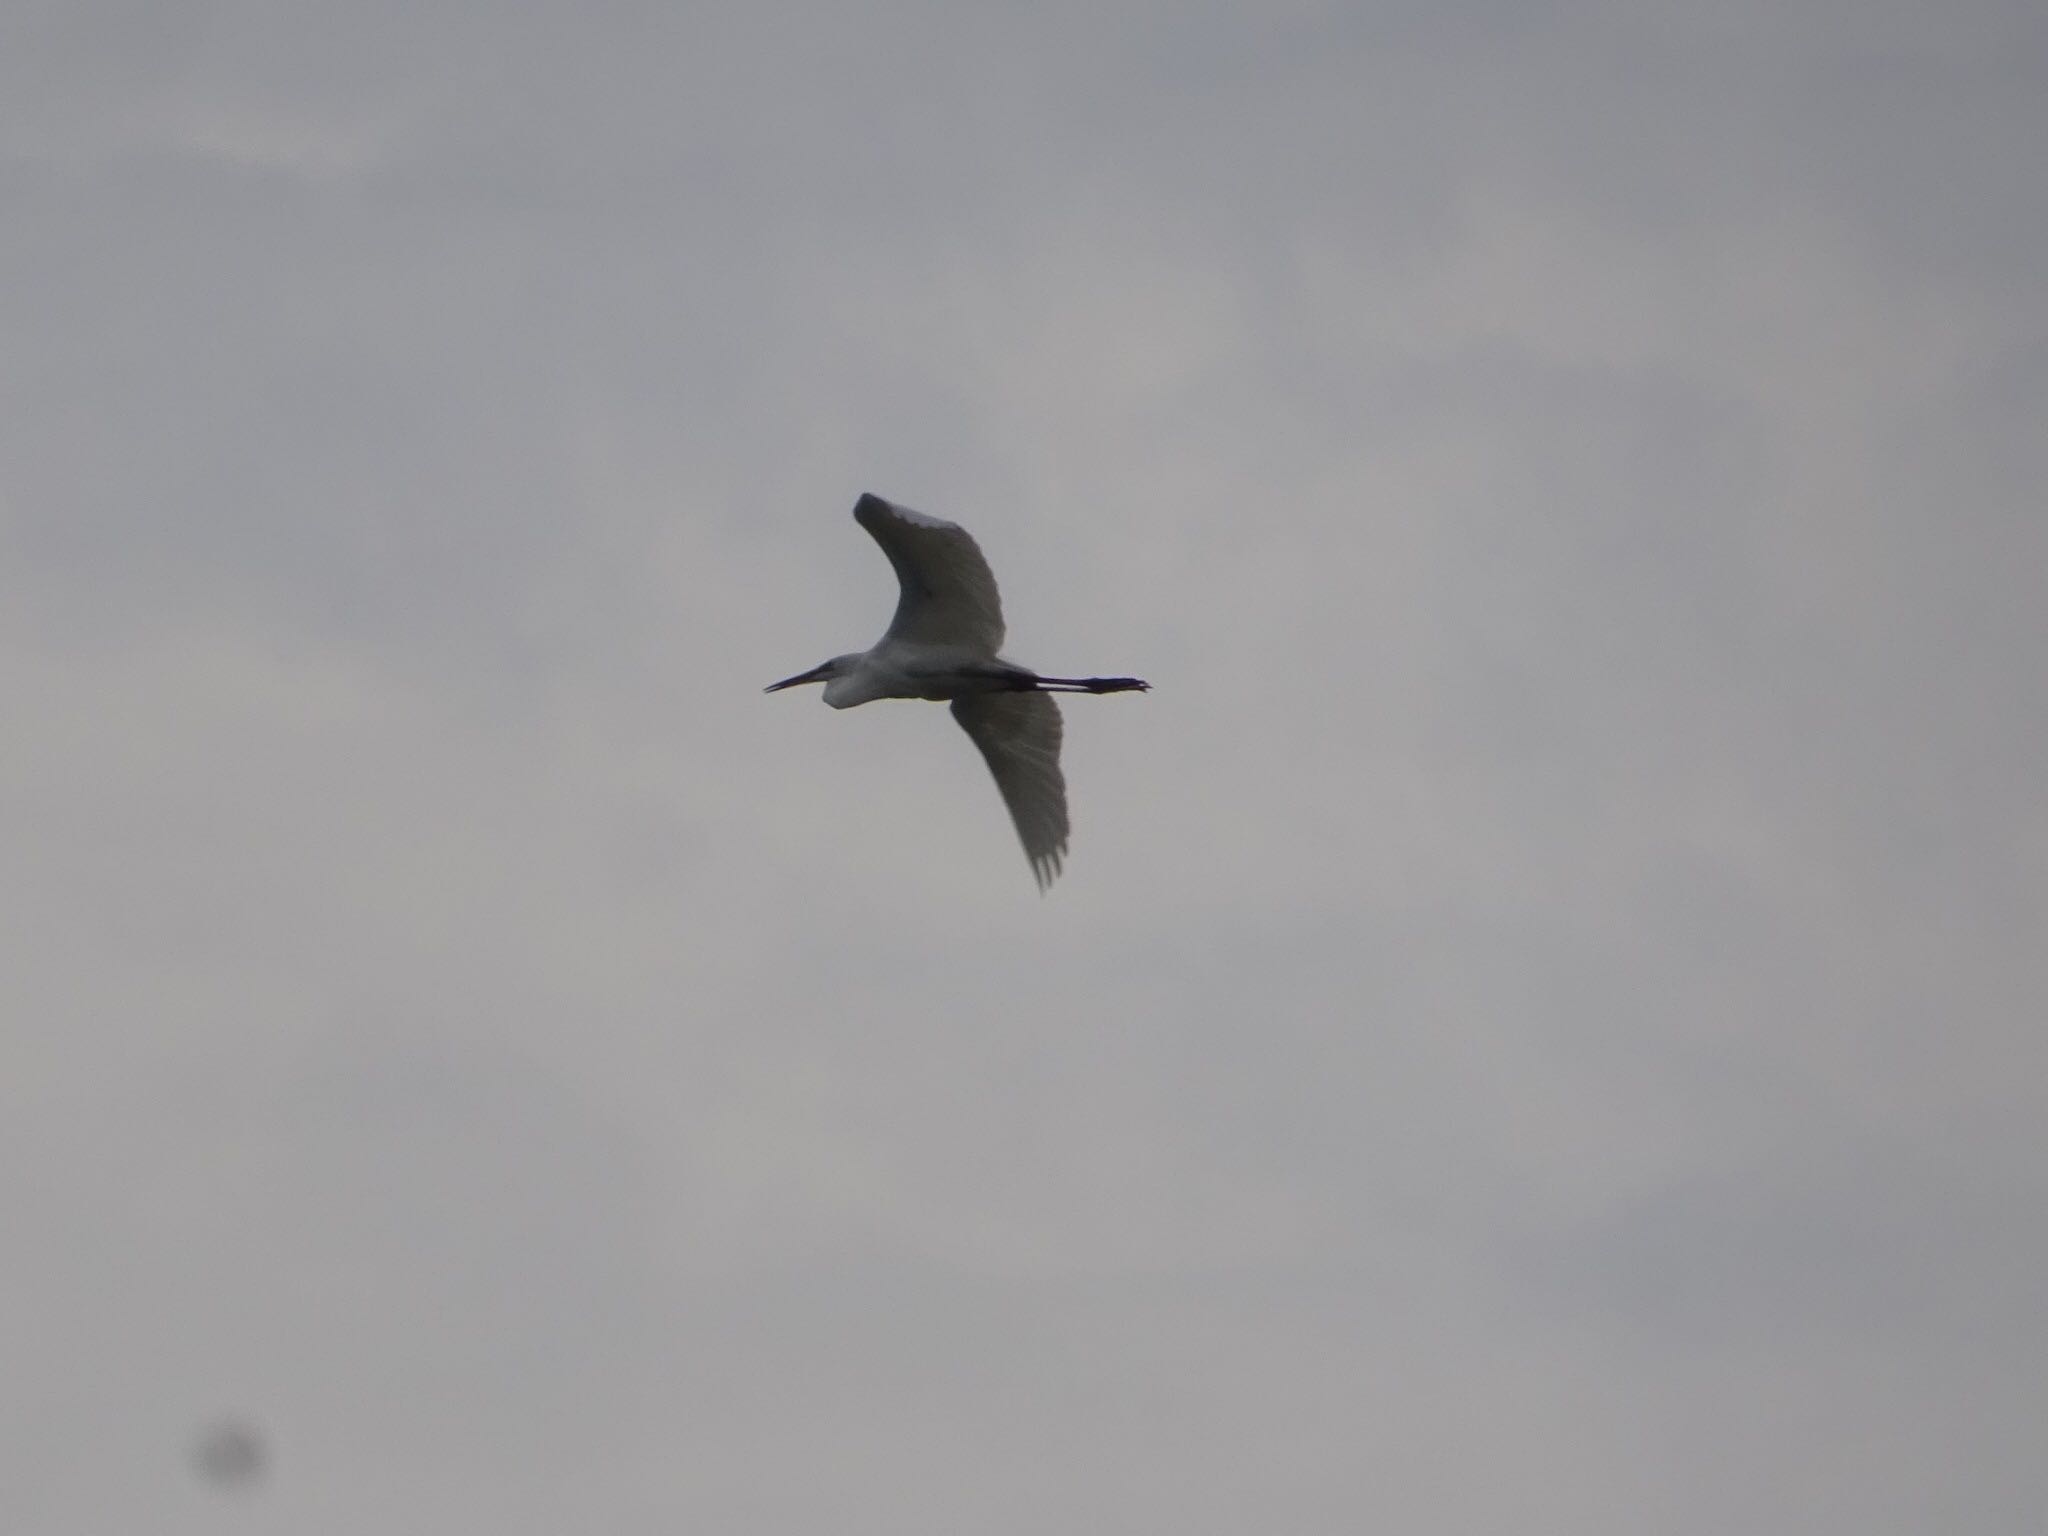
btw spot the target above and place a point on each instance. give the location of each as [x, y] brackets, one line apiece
[870, 504]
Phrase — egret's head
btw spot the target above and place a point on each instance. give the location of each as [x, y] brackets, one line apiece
[823, 672]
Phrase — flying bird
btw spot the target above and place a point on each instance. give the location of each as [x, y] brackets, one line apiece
[942, 644]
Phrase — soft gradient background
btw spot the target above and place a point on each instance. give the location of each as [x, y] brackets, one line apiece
[1543, 1027]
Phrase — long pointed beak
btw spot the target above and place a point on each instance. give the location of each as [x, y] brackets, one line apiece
[815, 675]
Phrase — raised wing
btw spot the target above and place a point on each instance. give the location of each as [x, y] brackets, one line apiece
[1019, 737]
[949, 595]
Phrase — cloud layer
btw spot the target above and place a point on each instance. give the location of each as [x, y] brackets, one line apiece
[1541, 1025]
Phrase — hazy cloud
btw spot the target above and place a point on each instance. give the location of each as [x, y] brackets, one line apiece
[1541, 1024]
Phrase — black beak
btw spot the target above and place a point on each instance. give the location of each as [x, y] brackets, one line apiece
[817, 674]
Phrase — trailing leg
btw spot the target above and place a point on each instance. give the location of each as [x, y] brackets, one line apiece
[1092, 685]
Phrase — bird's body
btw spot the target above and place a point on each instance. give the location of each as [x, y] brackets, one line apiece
[908, 669]
[942, 644]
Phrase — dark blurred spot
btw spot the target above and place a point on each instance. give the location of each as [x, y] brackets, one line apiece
[229, 1454]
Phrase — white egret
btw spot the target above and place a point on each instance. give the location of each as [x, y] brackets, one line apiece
[942, 644]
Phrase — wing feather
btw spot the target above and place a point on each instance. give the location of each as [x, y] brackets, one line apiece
[1019, 738]
[949, 593]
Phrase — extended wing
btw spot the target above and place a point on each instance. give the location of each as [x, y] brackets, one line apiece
[1019, 737]
[949, 594]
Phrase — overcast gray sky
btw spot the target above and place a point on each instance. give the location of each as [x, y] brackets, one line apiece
[1542, 1028]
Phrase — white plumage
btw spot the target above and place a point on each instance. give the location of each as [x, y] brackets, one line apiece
[942, 644]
